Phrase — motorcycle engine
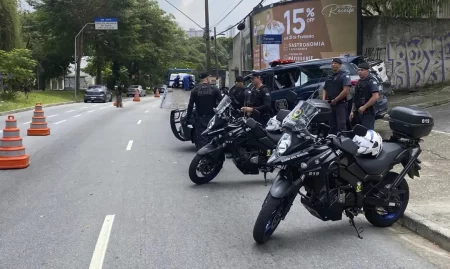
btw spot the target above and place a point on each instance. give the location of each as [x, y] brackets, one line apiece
[247, 161]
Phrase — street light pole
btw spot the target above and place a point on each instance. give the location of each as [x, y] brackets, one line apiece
[207, 36]
[215, 52]
[76, 60]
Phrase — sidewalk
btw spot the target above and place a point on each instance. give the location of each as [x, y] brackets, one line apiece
[428, 212]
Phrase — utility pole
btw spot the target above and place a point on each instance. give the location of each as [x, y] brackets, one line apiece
[215, 52]
[208, 38]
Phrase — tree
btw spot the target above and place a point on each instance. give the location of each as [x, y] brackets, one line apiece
[402, 8]
[16, 68]
[9, 25]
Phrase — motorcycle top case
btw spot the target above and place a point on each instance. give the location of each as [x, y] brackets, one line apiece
[325, 110]
[410, 122]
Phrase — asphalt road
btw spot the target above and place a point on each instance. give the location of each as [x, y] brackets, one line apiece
[441, 115]
[87, 177]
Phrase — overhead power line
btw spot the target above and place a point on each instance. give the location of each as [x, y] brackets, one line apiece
[201, 27]
[231, 27]
[229, 13]
[225, 11]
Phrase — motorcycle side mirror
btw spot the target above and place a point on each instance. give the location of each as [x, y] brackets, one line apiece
[251, 123]
[291, 97]
[360, 130]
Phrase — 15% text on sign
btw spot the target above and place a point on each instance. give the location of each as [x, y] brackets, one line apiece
[297, 19]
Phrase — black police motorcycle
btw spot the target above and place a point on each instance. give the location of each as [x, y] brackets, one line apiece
[250, 145]
[337, 181]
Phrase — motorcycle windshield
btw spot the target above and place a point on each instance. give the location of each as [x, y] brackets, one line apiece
[226, 101]
[300, 117]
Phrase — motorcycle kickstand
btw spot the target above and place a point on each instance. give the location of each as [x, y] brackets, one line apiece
[352, 223]
[265, 178]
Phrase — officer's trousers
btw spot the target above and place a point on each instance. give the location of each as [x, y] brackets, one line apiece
[201, 123]
[366, 119]
[119, 100]
[338, 121]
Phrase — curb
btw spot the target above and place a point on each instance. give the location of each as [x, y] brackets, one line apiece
[429, 230]
[31, 108]
[426, 104]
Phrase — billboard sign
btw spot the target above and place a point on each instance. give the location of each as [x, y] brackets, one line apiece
[309, 29]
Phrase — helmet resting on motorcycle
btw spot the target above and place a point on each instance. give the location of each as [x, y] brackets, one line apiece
[370, 144]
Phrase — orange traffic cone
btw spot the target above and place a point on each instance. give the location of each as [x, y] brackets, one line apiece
[136, 97]
[12, 151]
[115, 103]
[38, 125]
[157, 93]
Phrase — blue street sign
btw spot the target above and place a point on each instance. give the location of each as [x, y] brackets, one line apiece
[106, 23]
[106, 20]
[269, 39]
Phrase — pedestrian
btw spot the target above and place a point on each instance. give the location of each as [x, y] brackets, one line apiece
[335, 90]
[186, 80]
[367, 93]
[258, 100]
[119, 91]
[237, 93]
[205, 97]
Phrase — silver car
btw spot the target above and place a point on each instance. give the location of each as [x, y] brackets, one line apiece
[132, 90]
[97, 93]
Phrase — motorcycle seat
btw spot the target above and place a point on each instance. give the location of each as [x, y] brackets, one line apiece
[274, 136]
[377, 166]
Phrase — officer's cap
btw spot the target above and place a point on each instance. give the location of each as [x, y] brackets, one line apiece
[203, 75]
[256, 74]
[337, 60]
[365, 66]
[239, 79]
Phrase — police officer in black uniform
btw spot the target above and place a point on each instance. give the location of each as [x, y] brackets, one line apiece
[367, 93]
[335, 90]
[205, 97]
[258, 99]
[237, 93]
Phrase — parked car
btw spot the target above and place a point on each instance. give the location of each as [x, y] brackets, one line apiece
[308, 78]
[161, 87]
[98, 93]
[132, 90]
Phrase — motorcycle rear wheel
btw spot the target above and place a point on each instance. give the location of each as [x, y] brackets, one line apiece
[268, 219]
[373, 214]
[205, 178]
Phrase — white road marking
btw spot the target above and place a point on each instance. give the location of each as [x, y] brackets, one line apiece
[95, 105]
[76, 116]
[51, 116]
[146, 111]
[70, 111]
[102, 243]
[84, 107]
[104, 107]
[28, 122]
[130, 144]
[154, 105]
[440, 132]
[91, 111]
[139, 122]
[61, 121]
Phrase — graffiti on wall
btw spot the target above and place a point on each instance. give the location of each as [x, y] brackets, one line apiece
[375, 53]
[418, 61]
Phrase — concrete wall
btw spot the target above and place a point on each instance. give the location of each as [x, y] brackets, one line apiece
[416, 52]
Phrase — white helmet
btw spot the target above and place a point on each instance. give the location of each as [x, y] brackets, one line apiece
[371, 143]
[273, 124]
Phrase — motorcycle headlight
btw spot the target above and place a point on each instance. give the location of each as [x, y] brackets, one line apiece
[284, 143]
[211, 122]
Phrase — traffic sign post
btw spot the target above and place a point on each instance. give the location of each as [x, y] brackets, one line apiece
[106, 24]
[100, 24]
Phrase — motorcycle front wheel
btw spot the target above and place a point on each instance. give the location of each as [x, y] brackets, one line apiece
[268, 219]
[207, 166]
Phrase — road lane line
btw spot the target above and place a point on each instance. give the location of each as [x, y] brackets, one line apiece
[61, 121]
[440, 132]
[146, 111]
[84, 107]
[70, 111]
[91, 111]
[77, 116]
[104, 107]
[139, 122]
[102, 243]
[95, 105]
[51, 116]
[130, 144]
[28, 122]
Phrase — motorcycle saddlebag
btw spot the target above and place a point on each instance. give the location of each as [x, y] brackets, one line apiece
[410, 122]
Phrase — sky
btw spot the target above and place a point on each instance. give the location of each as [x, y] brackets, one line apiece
[195, 9]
